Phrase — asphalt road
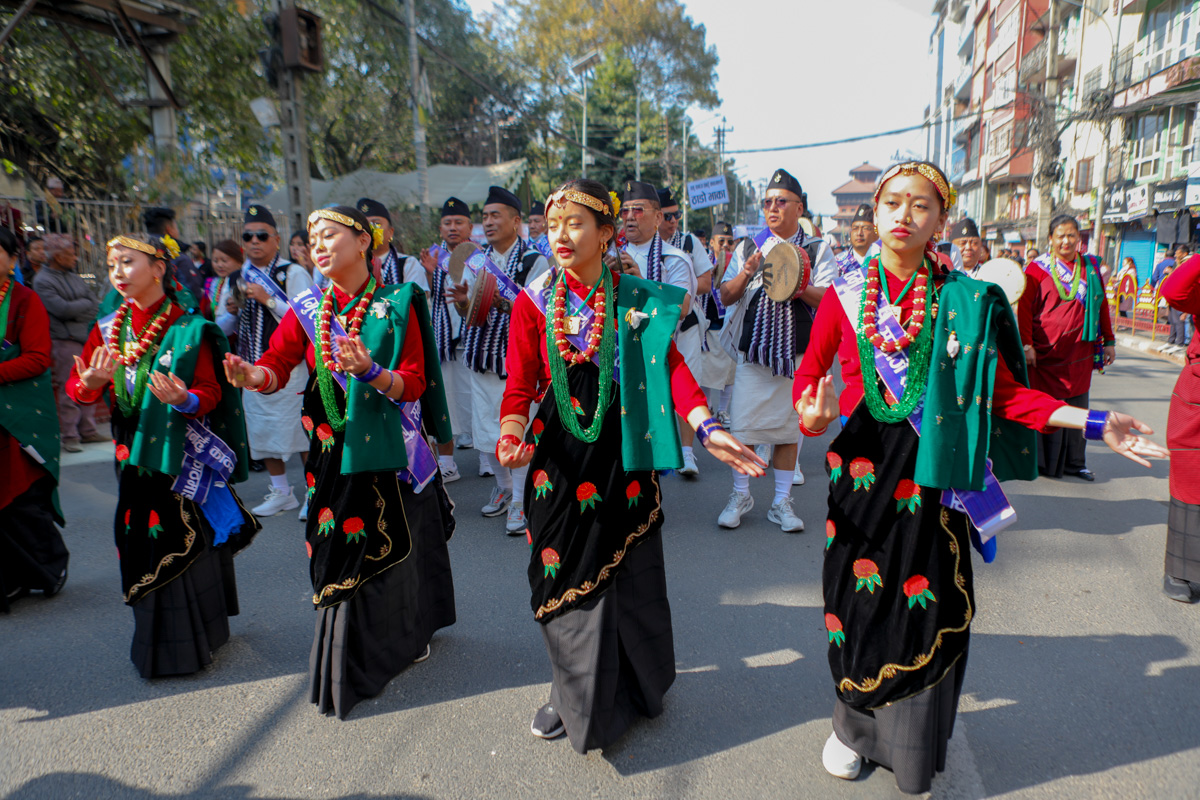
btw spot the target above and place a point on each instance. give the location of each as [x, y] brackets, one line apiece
[1084, 679]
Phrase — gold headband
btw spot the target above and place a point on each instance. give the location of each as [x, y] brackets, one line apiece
[335, 216]
[949, 195]
[562, 196]
[134, 244]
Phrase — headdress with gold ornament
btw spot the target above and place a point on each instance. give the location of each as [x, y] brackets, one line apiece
[927, 171]
[338, 217]
[136, 244]
[564, 196]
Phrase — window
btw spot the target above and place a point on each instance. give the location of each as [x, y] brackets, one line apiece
[1148, 144]
[1083, 176]
[1166, 35]
[1005, 88]
[1000, 140]
[1187, 135]
[1092, 82]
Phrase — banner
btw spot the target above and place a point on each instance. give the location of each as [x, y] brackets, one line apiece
[707, 192]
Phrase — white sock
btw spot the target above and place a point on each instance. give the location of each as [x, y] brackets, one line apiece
[280, 483]
[741, 482]
[726, 396]
[799, 447]
[518, 483]
[504, 478]
[687, 450]
[446, 462]
[783, 484]
[711, 396]
[485, 461]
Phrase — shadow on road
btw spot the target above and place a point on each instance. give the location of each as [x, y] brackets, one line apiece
[79, 784]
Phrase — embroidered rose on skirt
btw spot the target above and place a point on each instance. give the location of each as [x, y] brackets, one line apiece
[863, 472]
[835, 465]
[325, 434]
[830, 532]
[550, 562]
[833, 626]
[541, 484]
[587, 496]
[325, 522]
[154, 527]
[907, 495]
[633, 493]
[353, 528]
[916, 589]
[867, 573]
[307, 422]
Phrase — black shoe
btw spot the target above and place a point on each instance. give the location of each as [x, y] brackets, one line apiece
[256, 465]
[57, 587]
[1181, 590]
[1085, 473]
[547, 724]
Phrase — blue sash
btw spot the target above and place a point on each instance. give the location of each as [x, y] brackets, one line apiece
[585, 314]
[260, 278]
[507, 287]
[422, 463]
[989, 509]
[542, 245]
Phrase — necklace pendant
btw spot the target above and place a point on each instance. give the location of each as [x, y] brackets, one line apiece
[572, 325]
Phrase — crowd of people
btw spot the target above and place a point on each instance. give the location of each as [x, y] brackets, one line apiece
[613, 344]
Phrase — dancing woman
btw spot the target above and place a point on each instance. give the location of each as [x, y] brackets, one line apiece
[32, 553]
[377, 549]
[596, 572]
[898, 586]
[178, 521]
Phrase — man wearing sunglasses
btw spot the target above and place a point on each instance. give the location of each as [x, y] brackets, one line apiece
[690, 336]
[863, 238]
[768, 339]
[273, 427]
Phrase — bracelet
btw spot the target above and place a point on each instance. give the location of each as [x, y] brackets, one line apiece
[369, 374]
[508, 437]
[808, 431]
[391, 382]
[268, 384]
[188, 406]
[1093, 429]
[706, 429]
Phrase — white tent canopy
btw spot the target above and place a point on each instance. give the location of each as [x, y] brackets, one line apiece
[469, 184]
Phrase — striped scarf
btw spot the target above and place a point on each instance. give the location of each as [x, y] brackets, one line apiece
[773, 337]
[486, 347]
[654, 260]
[390, 270]
[256, 323]
[443, 331]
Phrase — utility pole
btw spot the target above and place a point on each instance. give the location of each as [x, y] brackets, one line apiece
[1048, 152]
[414, 78]
[297, 176]
[683, 201]
[581, 68]
[721, 131]
[637, 164]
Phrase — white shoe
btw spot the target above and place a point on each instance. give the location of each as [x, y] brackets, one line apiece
[275, 502]
[782, 515]
[725, 420]
[423, 657]
[465, 442]
[763, 451]
[303, 515]
[485, 469]
[450, 474]
[840, 761]
[690, 470]
[797, 477]
[738, 505]
[497, 503]
[515, 525]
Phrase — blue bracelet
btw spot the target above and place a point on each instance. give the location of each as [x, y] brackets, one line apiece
[706, 429]
[1093, 429]
[190, 405]
[373, 372]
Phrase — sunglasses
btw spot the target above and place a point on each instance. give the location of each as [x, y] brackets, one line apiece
[670, 216]
[776, 202]
[249, 236]
[634, 212]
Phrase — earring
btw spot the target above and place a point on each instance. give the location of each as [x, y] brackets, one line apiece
[157, 279]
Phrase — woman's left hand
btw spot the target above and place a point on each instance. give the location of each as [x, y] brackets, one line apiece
[1121, 434]
[168, 388]
[1110, 355]
[353, 355]
[724, 446]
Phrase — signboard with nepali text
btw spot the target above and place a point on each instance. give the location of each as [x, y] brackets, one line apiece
[708, 192]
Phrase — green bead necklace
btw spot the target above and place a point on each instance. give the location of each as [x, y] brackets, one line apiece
[1076, 272]
[606, 364]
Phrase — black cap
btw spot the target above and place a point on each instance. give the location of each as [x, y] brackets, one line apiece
[498, 194]
[701, 232]
[455, 208]
[537, 209]
[637, 190]
[665, 200]
[864, 214]
[782, 179]
[722, 229]
[259, 213]
[964, 229]
[373, 208]
[155, 219]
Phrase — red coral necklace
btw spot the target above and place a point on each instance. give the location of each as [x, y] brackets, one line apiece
[147, 337]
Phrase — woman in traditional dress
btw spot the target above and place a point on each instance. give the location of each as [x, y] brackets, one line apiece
[218, 304]
[897, 577]
[179, 447]
[377, 549]
[596, 572]
[1181, 578]
[1072, 335]
[32, 553]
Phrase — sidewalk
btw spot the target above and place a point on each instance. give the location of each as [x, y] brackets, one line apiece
[1157, 348]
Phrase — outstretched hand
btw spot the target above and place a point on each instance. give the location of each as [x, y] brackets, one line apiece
[98, 371]
[241, 373]
[1121, 435]
[725, 447]
[168, 388]
[513, 453]
[818, 409]
[353, 355]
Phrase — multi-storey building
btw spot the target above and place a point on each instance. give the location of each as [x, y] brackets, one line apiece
[858, 190]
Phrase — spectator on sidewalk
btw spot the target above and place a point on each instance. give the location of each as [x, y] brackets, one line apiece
[1160, 269]
[35, 259]
[72, 307]
[199, 255]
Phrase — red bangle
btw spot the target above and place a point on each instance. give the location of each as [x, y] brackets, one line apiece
[508, 437]
[807, 432]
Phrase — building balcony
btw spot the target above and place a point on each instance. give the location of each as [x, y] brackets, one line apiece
[1033, 63]
[965, 123]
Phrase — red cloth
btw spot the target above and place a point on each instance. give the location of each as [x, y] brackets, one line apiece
[833, 334]
[529, 368]
[289, 344]
[29, 328]
[1181, 290]
[1064, 359]
[204, 382]
[1024, 311]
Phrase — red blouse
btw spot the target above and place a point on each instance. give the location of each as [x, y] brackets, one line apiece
[290, 344]
[1181, 290]
[29, 328]
[833, 334]
[1064, 360]
[529, 368]
[204, 382]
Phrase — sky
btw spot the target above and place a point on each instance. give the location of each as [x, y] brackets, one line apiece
[806, 71]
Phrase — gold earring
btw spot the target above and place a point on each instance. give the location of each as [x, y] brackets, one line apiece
[157, 279]
[362, 254]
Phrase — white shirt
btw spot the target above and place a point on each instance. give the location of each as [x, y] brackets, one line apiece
[699, 256]
[500, 259]
[677, 268]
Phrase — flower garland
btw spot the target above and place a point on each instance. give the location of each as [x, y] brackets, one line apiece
[1076, 272]
[917, 334]
[327, 364]
[602, 338]
[120, 333]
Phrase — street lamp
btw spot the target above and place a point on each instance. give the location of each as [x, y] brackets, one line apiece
[580, 68]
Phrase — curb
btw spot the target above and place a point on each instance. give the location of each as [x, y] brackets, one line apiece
[1154, 349]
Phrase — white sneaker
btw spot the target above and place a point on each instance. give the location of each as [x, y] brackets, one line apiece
[485, 469]
[497, 503]
[840, 761]
[690, 470]
[515, 525]
[304, 512]
[738, 505]
[450, 474]
[763, 451]
[275, 502]
[797, 477]
[423, 657]
[465, 442]
[782, 515]
[725, 420]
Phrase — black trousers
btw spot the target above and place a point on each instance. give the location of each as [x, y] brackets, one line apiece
[1063, 450]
